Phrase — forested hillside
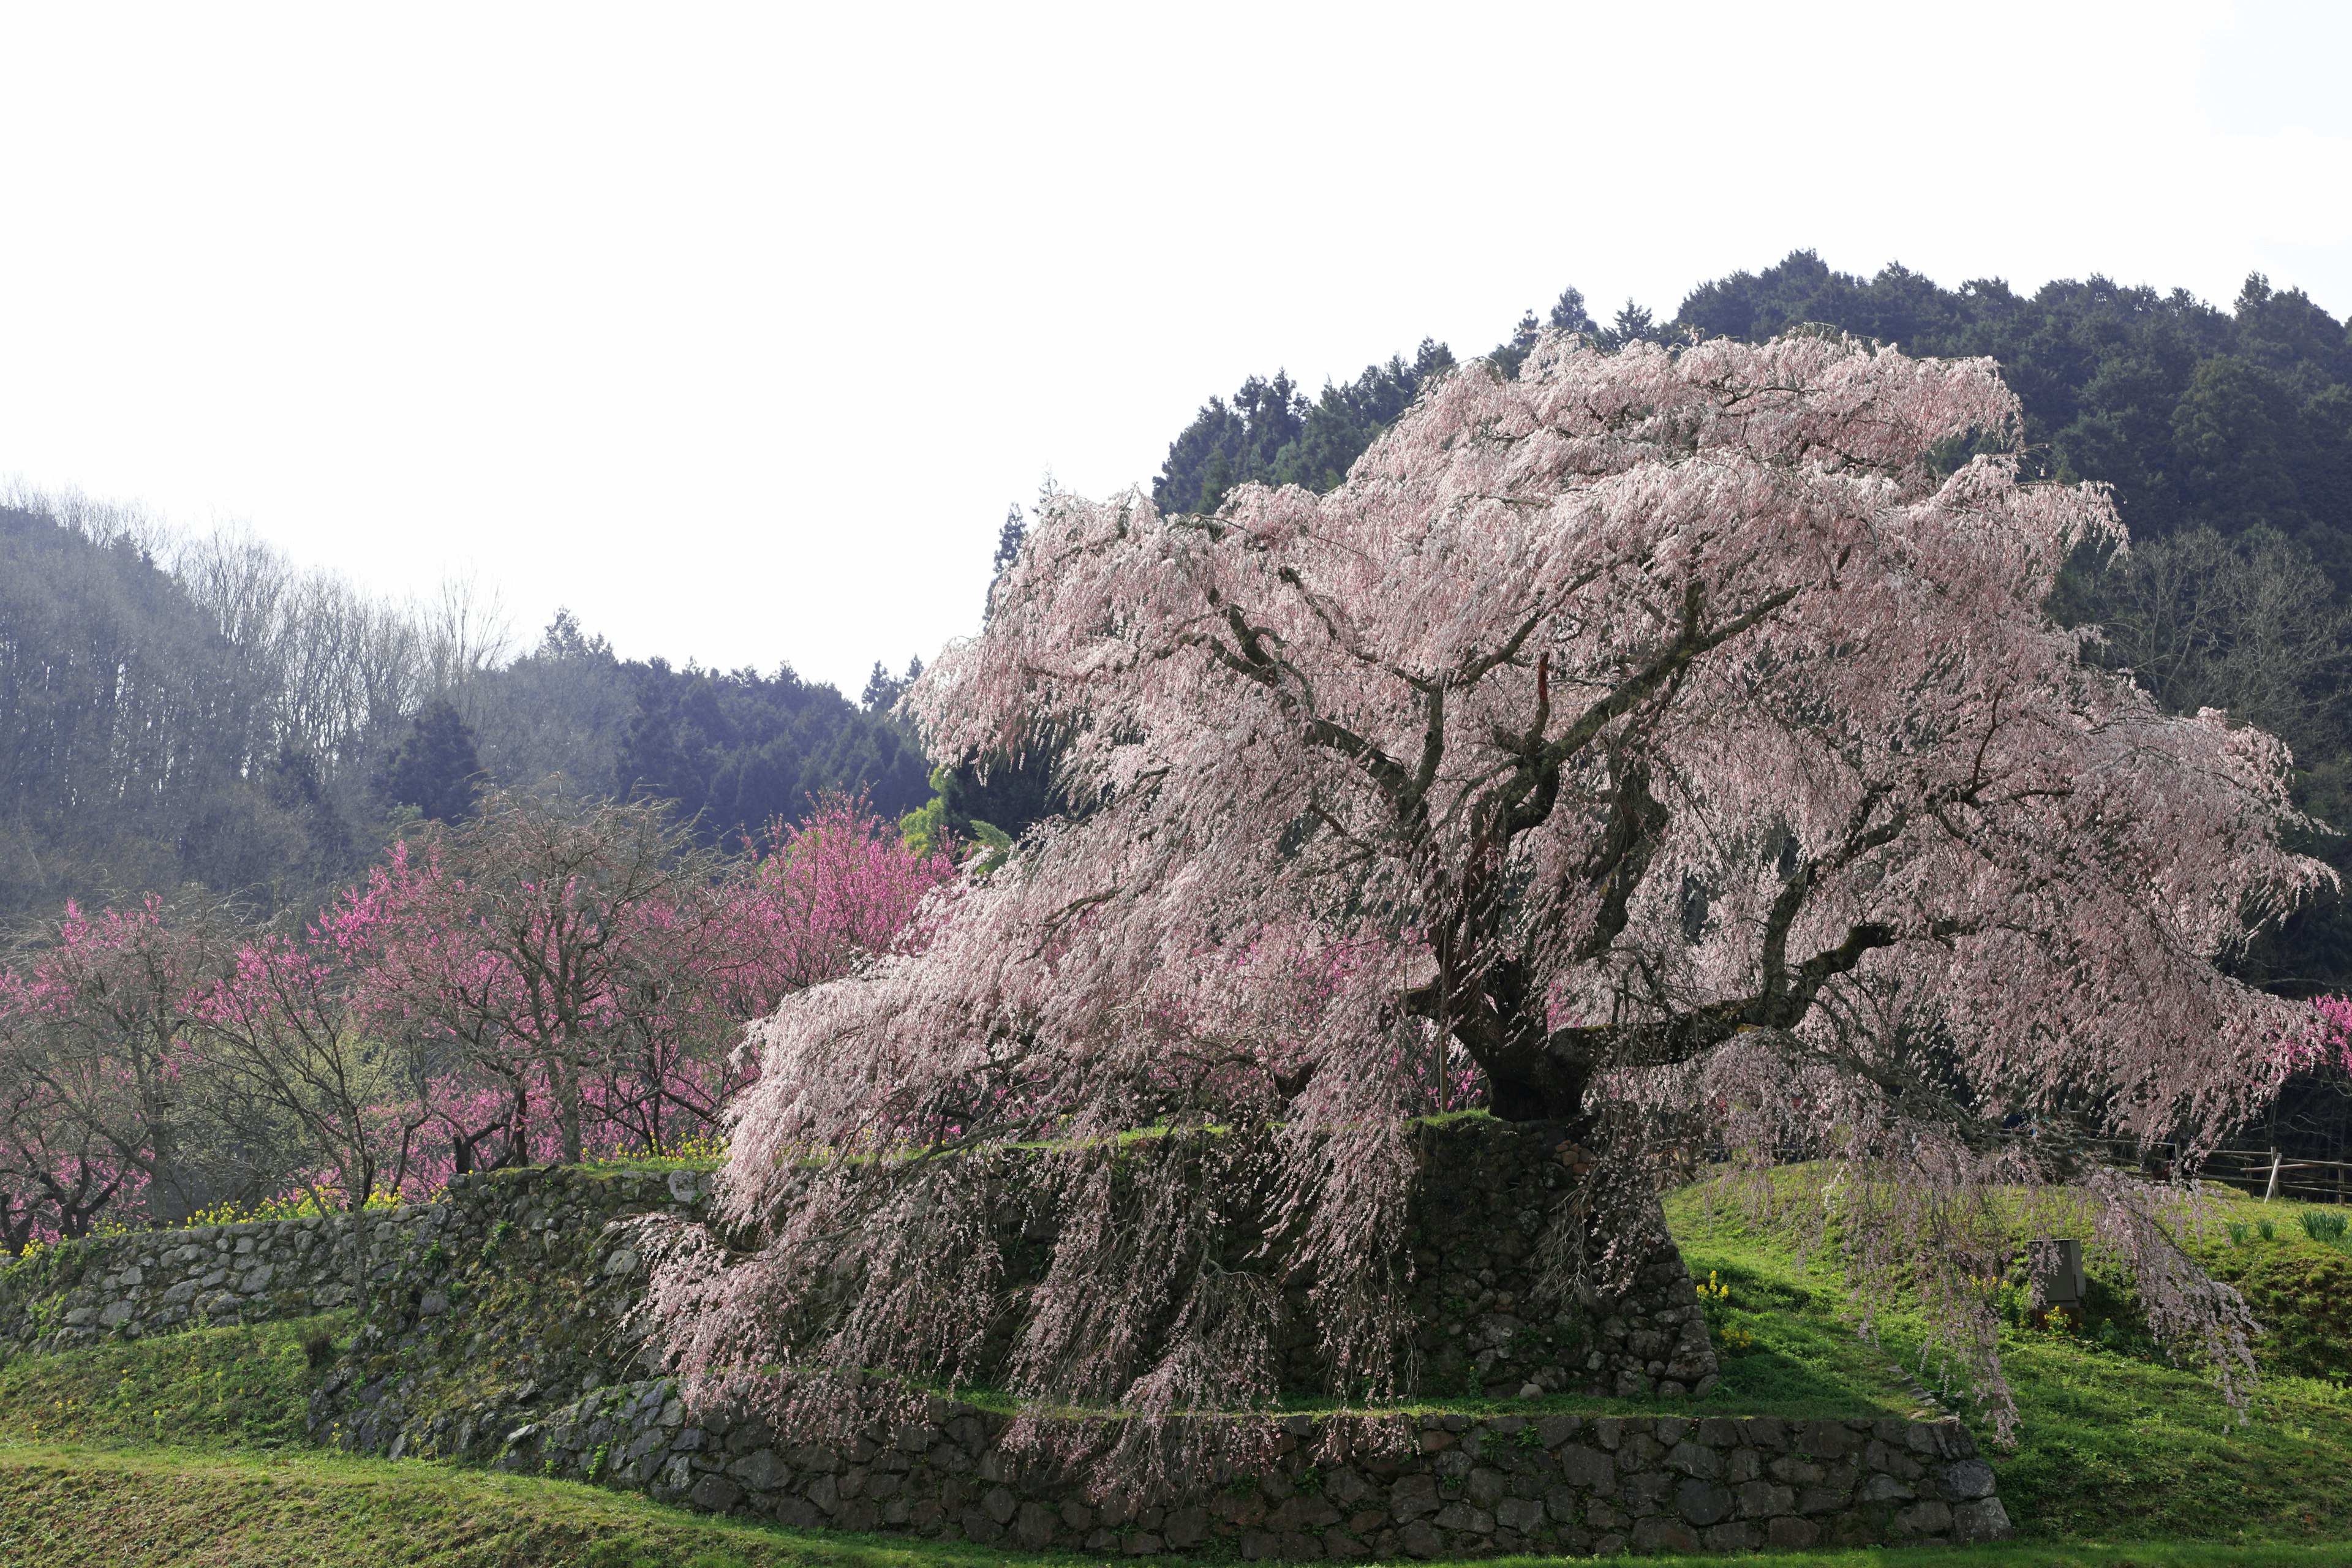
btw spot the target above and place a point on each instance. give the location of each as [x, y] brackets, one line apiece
[178, 711]
[2198, 417]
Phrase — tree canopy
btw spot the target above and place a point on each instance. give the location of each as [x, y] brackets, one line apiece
[1654, 739]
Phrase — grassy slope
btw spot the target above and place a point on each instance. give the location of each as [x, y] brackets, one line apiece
[2112, 1444]
[151, 1507]
[187, 1449]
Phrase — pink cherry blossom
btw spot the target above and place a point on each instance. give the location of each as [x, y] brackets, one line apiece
[1677, 737]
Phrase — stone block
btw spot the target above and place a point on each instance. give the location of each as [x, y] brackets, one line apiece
[1486, 1488]
[1790, 1535]
[1696, 1459]
[762, 1471]
[1342, 1547]
[1929, 1517]
[715, 1493]
[1732, 1535]
[1647, 1491]
[1462, 1515]
[1554, 1430]
[1521, 1514]
[1885, 1488]
[1702, 1502]
[1413, 1496]
[1969, 1479]
[1660, 1533]
[1719, 1432]
[1984, 1519]
[1418, 1540]
[1185, 1528]
[1588, 1468]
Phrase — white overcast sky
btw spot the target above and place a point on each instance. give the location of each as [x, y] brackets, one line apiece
[735, 330]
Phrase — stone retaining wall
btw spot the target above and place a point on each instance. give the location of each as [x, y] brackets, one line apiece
[148, 1282]
[1426, 1486]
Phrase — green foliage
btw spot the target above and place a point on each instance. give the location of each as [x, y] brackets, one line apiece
[924, 830]
[436, 767]
[2323, 1225]
[737, 750]
[1009, 793]
[1000, 847]
[1271, 434]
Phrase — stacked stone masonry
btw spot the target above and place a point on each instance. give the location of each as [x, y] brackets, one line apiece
[1428, 1486]
[147, 1282]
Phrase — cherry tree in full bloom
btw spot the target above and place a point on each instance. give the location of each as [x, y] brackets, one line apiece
[563, 978]
[1677, 740]
[584, 973]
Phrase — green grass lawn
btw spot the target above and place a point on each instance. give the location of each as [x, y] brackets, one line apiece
[189, 1448]
[2112, 1442]
[146, 1508]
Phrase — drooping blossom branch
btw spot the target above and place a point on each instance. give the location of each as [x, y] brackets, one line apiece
[1609, 720]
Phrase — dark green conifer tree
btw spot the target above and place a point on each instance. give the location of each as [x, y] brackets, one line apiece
[434, 767]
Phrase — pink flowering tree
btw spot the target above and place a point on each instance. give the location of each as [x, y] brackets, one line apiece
[578, 975]
[559, 978]
[279, 1029]
[541, 945]
[821, 897]
[1676, 739]
[108, 1104]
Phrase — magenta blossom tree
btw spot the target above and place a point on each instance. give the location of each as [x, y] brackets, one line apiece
[580, 975]
[1677, 739]
[821, 897]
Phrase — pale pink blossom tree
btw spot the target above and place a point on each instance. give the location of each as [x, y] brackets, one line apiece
[1678, 736]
